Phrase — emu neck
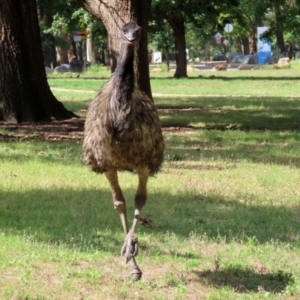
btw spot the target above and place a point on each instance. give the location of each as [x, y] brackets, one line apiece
[124, 80]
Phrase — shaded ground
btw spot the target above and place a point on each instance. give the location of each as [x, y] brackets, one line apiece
[70, 130]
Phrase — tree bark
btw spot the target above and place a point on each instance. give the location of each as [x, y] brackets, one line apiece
[253, 40]
[114, 14]
[180, 46]
[25, 95]
[279, 30]
[246, 46]
[238, 46]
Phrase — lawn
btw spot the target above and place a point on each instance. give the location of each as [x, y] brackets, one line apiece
[224, 209]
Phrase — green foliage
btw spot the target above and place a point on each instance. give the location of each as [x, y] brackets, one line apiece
[97, 69]
[161, 37]
[47, 40]
[68, 18]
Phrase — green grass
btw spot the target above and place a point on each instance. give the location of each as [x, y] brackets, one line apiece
[223, 84]
[225, 206]
[259, 82]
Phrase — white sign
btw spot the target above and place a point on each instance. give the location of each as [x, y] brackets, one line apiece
[156, 57]
[76, 38]
[228, 27]
[218, 38]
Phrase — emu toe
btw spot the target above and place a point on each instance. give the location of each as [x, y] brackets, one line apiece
[130, 247]
[136, 274]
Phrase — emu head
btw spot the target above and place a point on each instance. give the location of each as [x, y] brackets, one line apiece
[131, 33]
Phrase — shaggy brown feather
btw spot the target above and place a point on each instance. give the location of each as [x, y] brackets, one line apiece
[122, 137]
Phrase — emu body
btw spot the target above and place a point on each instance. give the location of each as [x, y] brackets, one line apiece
[123, 133]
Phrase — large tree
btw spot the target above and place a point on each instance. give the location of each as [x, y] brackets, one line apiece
[177, 13]
[25, 95]
[174, 12]
[114, 14]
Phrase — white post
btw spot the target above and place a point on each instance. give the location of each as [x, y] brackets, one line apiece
[228, 28]
[89, 48]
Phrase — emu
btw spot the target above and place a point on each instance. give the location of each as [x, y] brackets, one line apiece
[123, 133]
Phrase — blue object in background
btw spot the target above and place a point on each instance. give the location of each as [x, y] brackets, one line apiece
[263, 46]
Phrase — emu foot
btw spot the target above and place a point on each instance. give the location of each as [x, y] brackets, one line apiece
[130, 250]
[136, 273]
[130, 247]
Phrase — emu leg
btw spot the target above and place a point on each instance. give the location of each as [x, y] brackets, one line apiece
[118, 198]
[130, 247]
[120, 206]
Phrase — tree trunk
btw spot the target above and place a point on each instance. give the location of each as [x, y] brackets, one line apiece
[25, 95]
[167, 57]
[238, 46]
[279, 30]
[246, 46]
[253, 41]
[114, 14]
[180, 46]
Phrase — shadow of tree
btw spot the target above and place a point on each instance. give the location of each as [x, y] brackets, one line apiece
[244, 280]
[65, 214]
[224, 219]
[215, 76]
[86, 219]
[67, 76]
[259, 78]
[232, 113]
[256, 153]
